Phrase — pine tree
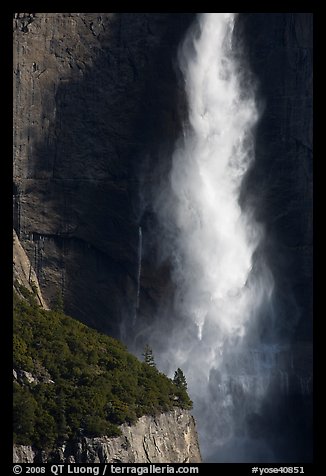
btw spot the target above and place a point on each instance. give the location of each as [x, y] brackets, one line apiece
[179, 379]
[181, 394]
[148, 356]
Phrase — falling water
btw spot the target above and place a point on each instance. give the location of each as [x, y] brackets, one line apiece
[220, 289]
[140, 245]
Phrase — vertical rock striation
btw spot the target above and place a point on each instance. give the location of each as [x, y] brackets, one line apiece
[280, 50]
[279, 188]
[167, 438]
[90, 89]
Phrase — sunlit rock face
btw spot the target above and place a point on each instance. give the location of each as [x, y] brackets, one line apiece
[167, 438]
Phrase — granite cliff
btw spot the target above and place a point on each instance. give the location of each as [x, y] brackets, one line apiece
[97, 109]
[93, 92]
[167, 438]
[97, 105]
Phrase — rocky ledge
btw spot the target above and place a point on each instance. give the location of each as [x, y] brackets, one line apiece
[168, 438]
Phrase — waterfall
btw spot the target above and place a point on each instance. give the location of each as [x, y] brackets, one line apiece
[220, 288]
[140, 245]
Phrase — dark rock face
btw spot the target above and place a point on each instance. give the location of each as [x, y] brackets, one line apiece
[280, 52]
[279, 187]
[90, 91]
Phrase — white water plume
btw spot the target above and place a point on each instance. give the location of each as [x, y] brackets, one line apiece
[219, 291]
[215, 239]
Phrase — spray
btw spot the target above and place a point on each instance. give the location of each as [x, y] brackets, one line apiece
[211, 241]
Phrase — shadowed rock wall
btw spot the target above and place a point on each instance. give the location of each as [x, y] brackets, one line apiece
[90, 91]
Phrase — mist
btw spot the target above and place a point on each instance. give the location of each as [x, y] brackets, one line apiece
[212, 241]
[222, 287]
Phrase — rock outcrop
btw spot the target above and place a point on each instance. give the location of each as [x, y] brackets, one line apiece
[23, 272]
[167, 438]
[23, 454]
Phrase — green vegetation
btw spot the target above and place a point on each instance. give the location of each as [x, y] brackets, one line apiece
[85, 383]
[58, 302]
[180, 379]
[180, 382]
[148, 356]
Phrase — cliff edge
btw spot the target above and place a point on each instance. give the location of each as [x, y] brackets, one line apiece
[167, 438]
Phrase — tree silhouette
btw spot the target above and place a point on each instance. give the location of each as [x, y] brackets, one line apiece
[179, 379]
[148, 356]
